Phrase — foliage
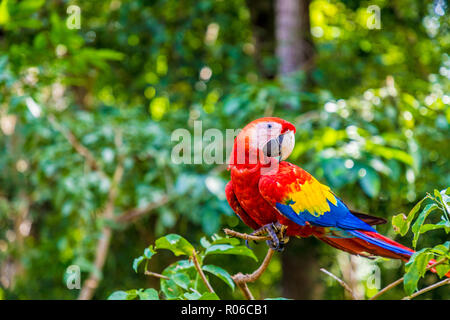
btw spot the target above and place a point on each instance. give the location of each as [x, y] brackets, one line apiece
[181, 279]
[419, 262]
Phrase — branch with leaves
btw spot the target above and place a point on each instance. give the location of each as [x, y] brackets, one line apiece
[416, 268]
[241, 279]
[190, 278]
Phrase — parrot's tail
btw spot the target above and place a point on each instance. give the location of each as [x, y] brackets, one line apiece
[369, 243]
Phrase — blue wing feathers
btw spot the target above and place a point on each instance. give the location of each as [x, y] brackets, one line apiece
[288, 212]
[338, 216]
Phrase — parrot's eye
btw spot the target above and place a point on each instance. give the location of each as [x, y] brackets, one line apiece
[269, 126]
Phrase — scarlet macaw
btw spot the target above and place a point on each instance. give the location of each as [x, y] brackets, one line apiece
[279, 198]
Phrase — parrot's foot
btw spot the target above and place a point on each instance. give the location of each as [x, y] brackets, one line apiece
[276, 232]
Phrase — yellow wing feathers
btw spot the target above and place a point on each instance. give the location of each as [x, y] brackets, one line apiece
[311, 196]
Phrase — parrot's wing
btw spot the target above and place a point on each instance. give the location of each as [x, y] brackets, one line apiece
[369, 219]
[237, 208]
[302, 199]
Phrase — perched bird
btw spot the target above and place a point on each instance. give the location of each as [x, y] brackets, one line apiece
[281, 199]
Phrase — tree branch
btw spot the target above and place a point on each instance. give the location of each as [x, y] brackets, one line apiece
[433, 286]
[397, 282]
[101, 252]
[341, 282]
[200, 271]
[77, 145]
[241, 279]
[245, 290]
[387, 288]
[245, 236]
[135, 213]
[157, 275]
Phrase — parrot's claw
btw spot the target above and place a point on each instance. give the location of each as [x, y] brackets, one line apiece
[248, 246]
[276, 232]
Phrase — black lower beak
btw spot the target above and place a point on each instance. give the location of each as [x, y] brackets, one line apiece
[273, 147]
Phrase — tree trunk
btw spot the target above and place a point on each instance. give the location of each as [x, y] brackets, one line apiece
[294, 51]
[292, 31]
[263, 30]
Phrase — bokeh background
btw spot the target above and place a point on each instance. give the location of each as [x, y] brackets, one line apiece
[86, 117]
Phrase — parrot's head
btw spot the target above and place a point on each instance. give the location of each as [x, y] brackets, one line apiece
[263, 141]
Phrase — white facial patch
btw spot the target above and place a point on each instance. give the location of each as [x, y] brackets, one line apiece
[265, 132]
[287, 145]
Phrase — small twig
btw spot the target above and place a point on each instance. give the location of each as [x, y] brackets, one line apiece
[341, 282]
[200, 272]
[242, 279]
[245, 236]
[157, 275]
[245, 290]
[239, 277]
[433, 286]
[135, 213]
[397, 282]
[387, 288]
[77, 145]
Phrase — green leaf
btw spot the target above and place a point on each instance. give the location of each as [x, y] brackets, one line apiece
[445, 199]
[230, 241]
[195, 295]
[428, 227]
[170, 289]
[118, 295]
[109, 54]
[192, 295]
[229, 249]
[4, 13]
[370, 183]
[149, 252]
[220, 273]
[30, 5]
[175, 243]
[205, 243]
[132, 294]
[415, 269]
[442, 249]
[181, 279]
[442, 269]
[401, 223]
[148, 294]
[209, 296]
[137, 262]
[389, 153]
[420, 220]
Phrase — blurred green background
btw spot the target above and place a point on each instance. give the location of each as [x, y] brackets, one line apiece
[370, 103]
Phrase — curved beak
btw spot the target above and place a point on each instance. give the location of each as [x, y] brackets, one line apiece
[281, 146]
[287, 144]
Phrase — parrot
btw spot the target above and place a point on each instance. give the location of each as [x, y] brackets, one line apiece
[280, 199]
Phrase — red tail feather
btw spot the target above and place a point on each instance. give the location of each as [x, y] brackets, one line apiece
[364, 248]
